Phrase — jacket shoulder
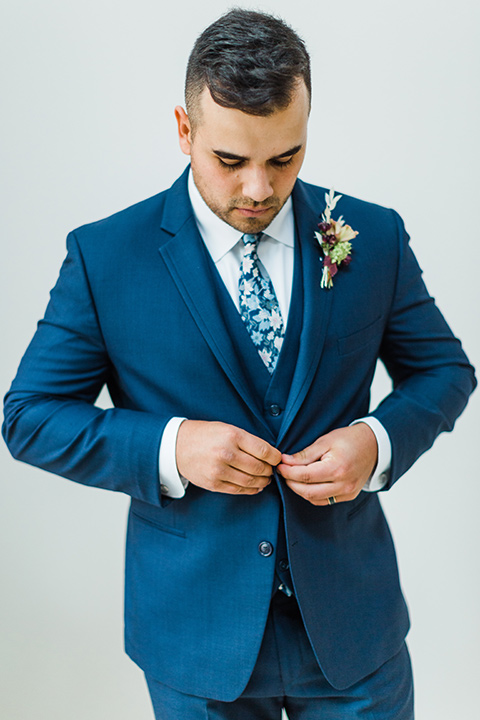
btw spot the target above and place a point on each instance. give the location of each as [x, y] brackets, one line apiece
[143, 213]
[143, 219]
[314, 195]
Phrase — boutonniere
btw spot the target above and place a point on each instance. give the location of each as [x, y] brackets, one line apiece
[334, 239]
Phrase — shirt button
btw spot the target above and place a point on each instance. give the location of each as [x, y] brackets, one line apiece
[265, 548]
[165, 490]
[284, 565]
[275, 410]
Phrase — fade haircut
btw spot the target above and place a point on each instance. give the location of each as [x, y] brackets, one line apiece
[249, 61]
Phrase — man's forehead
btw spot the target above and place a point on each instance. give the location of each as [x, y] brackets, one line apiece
[237, 133]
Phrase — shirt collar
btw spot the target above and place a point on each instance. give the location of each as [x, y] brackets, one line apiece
[220, 237]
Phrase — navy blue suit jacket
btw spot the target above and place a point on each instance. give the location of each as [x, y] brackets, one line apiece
[139, 306]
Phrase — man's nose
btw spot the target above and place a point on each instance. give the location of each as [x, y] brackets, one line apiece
[257, 185]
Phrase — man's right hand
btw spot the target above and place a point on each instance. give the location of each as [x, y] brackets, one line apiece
[223, 458]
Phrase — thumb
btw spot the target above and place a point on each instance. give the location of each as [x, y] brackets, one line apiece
[308, 455]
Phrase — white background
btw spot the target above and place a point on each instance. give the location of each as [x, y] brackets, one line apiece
[87, 127]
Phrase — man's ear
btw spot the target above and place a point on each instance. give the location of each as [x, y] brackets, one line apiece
[184, 130]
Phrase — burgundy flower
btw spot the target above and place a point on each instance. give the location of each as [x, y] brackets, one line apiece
[324, 227]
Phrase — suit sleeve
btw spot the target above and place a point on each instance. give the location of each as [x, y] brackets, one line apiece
[432, 378]
[50, 417]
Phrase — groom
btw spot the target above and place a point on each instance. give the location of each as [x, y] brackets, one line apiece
[238, 340]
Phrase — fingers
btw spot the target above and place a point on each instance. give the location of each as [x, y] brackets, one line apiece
[319, 481]
[323, 470]
[336, 466]
[258, 449]
[309, 454]
[241, 470]
[223, 458]
[323, 494]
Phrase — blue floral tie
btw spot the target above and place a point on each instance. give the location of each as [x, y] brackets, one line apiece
[259, 306]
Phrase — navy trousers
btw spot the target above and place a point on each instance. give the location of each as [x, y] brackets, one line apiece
[287, 677]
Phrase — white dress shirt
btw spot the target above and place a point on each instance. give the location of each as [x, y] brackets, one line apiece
[276, 253]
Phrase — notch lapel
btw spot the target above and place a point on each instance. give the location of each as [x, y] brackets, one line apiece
[195, 276]
[316, 305]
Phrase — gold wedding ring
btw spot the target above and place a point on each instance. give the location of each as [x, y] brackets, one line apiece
[332, 500]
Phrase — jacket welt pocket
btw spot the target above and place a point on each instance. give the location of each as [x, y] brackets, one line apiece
[359, 338]
[158, 525]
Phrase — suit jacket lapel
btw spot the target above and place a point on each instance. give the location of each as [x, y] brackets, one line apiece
[316, 307]
[194, 274]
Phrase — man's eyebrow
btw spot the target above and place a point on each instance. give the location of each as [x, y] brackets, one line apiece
[232, 156]
[288, 153]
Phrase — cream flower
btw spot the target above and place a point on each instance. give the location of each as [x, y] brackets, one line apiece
[335, 240]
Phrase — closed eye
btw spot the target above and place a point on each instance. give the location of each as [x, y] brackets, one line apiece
[236, 164]
[230, 164]
[282, 163]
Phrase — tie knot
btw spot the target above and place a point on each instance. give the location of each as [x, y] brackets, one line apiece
[248, 239]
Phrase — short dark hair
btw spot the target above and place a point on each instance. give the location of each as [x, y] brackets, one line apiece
[249, 61]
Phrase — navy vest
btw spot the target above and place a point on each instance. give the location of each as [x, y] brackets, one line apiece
[271, 389]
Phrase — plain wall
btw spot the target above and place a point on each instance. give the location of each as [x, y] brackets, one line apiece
[87, 127]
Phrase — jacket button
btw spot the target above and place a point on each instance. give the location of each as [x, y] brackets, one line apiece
[275, 410]
[265, 548]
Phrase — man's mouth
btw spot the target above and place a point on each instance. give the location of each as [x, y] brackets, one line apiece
[253, 212]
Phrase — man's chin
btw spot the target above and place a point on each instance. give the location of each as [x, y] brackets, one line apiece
[251, 228]
[250, 224]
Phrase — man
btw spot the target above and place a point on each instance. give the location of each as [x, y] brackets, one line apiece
[239, 350]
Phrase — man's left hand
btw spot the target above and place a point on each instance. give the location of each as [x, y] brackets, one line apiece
[337, 465]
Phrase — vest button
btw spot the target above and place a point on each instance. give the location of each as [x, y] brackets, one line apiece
[275, 410]
[265, 548]
[284, 565]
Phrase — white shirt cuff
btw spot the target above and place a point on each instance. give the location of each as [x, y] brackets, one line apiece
[172, 484]
[380, 475]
